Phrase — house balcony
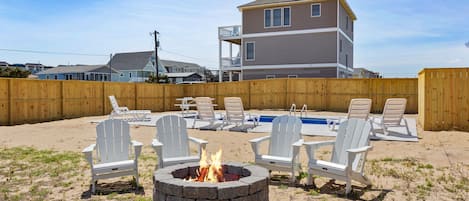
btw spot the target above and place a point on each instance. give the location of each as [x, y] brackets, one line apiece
[233, 63]
[230, 34]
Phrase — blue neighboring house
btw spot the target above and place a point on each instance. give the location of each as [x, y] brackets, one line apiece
[135, 66]
[79, 72]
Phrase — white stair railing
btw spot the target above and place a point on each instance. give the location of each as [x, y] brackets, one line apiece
[292, 109]
[304, 110]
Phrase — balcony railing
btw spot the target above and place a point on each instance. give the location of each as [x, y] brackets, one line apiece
[229, 31]
[230, 63]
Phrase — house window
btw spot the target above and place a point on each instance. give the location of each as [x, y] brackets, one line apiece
[130, 74]
[47, 77]
[269, 76]
[292, 76]
[316, 10]
[267, 17]
[250, 48]
[346, 22]
[340, 45]
[55, 77]
[286, 16]
[277, 17]
[346, 60]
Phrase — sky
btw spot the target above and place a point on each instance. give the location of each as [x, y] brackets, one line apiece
[394, 37]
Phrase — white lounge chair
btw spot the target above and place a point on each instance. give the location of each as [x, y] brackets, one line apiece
[205, 112]
[348, 154]
[235, 113]
[113, 152]
[172, 142]
[359, 108]
[284, 145]
[124, 111]
[393, 115]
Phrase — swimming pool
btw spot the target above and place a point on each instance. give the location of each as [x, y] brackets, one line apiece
[305, 120]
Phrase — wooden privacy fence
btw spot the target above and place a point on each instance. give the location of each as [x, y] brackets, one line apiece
[444, 99]
[31, 101]
[318, 94]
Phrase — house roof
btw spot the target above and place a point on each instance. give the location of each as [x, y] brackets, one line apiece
[131, 60]
[180, 74]
[77, 69]
[171, 63]
[267, 3]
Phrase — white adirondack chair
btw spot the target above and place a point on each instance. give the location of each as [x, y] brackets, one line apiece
[172, 142]
[235, 112]
[348, 154]
[124, 111]
[284, 145]
[359, 108]
[393, 115]
[205, 112]
[114, 158]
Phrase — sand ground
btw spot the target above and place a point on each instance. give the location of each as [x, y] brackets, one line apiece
[445, 151]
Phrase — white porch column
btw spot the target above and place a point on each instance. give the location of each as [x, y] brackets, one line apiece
[220, 74]
[231, 54]
[230, 75]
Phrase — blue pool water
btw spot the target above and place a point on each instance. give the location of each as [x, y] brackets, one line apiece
[305, 120]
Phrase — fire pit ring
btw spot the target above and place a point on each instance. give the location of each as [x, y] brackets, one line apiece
[253, 184]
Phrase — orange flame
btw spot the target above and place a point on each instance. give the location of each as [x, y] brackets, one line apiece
[210, 172]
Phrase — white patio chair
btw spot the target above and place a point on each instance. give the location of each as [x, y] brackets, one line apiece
[124, 111]
[172, 142]
[359, 108]
[348, 154]
[235, 112]
[113, 152]
[205, 112]
[284, 145]
[393, 115]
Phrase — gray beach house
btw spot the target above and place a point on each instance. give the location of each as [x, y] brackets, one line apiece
[288, 38]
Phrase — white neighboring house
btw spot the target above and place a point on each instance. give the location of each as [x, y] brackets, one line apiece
[180, 78]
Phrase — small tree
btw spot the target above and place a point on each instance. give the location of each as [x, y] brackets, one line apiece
[14, 73]
[153, 79]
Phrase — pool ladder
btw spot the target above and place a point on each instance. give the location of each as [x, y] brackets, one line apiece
[303, 110]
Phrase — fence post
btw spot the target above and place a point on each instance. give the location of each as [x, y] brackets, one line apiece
[104, 98]
[164, 97]
[10, 103]
[62, 100]
[249, 94]
[136, 96]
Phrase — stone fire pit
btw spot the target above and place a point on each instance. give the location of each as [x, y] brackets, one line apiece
[252, 185]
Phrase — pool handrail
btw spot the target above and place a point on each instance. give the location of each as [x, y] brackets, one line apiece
[292, 109]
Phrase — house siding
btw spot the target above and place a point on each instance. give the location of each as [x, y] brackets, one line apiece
[253, 19]
[347, 49]
[329, 72]
[294, 49]
[343, 22]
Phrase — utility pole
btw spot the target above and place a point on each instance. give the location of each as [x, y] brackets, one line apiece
[157, 45]
[110, 68]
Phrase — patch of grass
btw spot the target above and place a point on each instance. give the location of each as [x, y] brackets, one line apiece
[302, 175]
[283, 186]
[313, 192]
[425, 166]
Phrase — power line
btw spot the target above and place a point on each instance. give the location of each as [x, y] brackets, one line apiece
[54, 53]
[190, 57]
